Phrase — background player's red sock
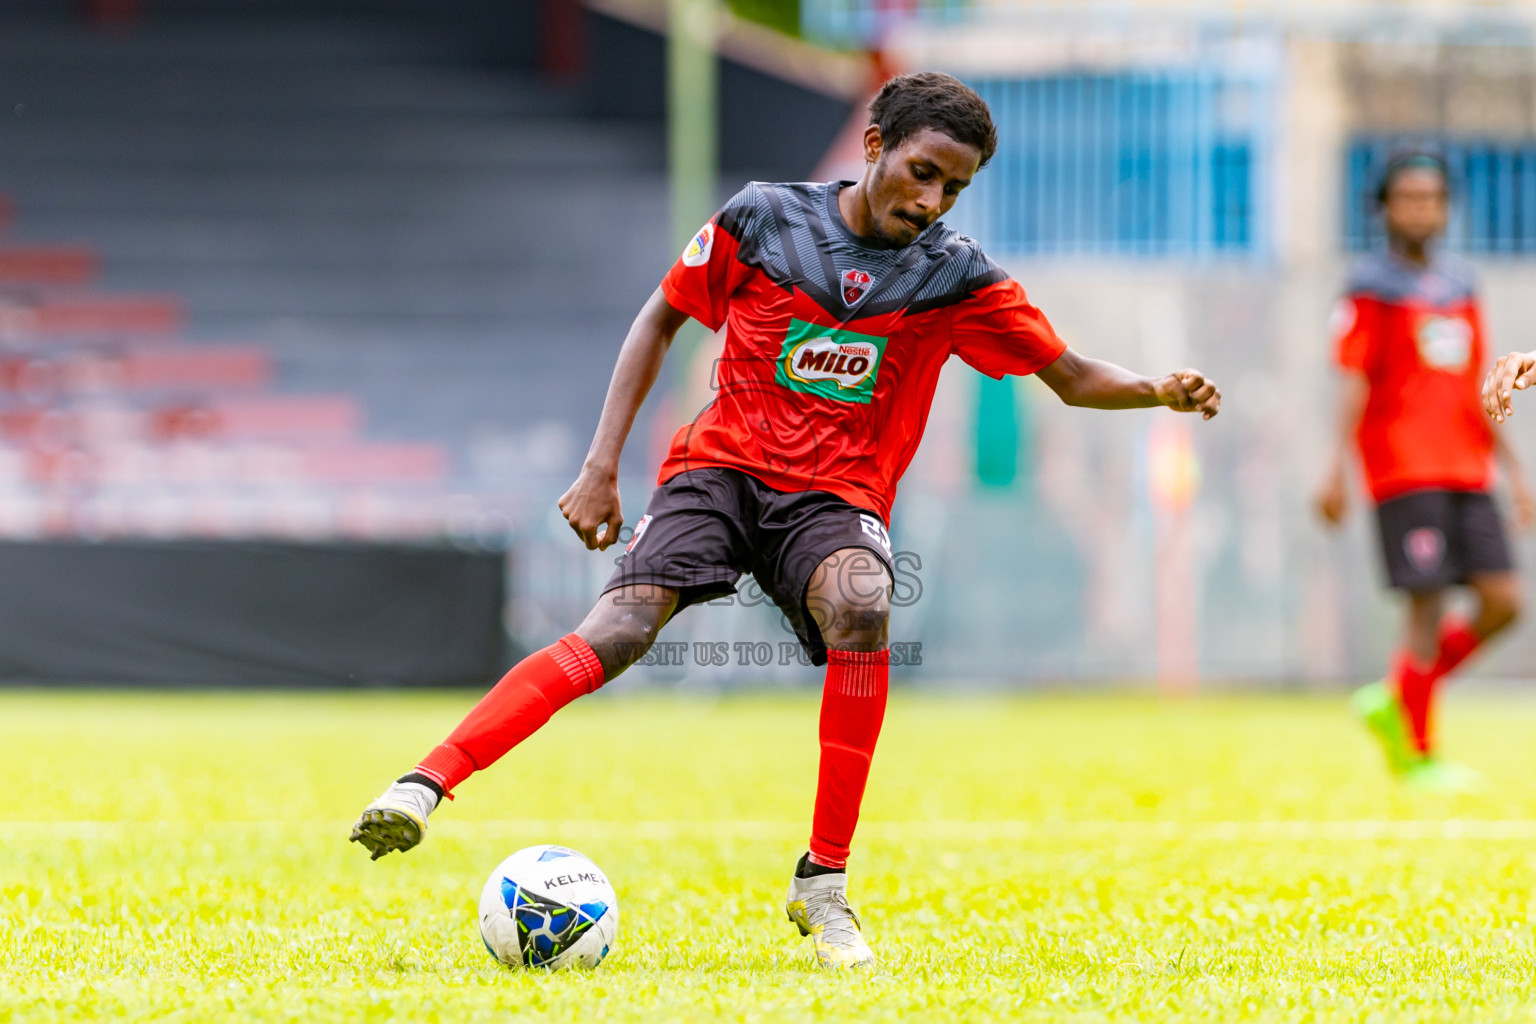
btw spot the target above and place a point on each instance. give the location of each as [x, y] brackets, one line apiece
[1457, 642]
[852, 708]
[1416, 689]
[537, 687]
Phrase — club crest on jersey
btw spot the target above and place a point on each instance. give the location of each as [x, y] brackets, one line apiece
[1445, 342]
[832, 363]
[855, 284]
[697, 253]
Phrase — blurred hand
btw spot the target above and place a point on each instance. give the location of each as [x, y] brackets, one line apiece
[593, 501]
[1514, 372]
[1332, 499]
[1188, 391]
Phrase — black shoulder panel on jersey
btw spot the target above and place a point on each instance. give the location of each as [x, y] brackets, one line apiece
[944, 258]
[973, 271]
[789, 236]
[1379, 275]
[749, 217]
[768, 254]
[735, 217]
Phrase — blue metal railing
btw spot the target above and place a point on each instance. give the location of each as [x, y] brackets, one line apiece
[864, 23]
[1147, 163]
[1493, 191]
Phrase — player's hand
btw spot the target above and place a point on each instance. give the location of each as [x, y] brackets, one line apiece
[1332, 499]
[1514, 372]
[1188, 391]
[592, 502]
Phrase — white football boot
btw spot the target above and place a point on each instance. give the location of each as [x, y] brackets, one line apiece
[819, 908]
[396, 820]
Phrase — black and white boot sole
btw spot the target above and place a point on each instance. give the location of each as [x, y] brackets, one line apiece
[382, 831]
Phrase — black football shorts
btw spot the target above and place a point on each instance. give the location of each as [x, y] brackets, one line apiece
[1433, 538]
[704, 528]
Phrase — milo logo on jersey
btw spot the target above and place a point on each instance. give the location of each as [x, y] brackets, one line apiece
[1445, 342]
[829, 362]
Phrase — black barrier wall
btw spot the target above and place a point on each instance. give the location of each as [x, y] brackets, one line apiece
[248, 614]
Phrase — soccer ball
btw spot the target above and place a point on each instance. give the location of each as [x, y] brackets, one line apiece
[548, 906]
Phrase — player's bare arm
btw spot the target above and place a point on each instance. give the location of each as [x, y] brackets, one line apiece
[592, 502]
[1514, 372]
[1095, 384]
[1332, 499]
[1514, 476]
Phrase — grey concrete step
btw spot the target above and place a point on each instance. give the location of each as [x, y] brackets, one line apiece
[234, 43]
[344, 193]
[273, 91]
[254, 143]
[498, 235]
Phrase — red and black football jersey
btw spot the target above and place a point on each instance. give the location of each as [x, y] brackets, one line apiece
[833, 342]
[1416, 334]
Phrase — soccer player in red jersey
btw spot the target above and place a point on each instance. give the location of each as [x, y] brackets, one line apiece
[840, 303]
[1410, 347]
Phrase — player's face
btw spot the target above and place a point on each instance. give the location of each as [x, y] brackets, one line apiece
[916, 183]
[1416, 206]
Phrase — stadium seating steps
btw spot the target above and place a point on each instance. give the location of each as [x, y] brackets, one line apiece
[393, 226]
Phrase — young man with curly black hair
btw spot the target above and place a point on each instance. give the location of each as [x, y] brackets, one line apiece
[840, 303]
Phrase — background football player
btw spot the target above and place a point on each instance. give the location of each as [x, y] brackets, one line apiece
[1409, 346]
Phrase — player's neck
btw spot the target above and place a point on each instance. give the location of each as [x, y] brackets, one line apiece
[1409, 250]
[853, 207]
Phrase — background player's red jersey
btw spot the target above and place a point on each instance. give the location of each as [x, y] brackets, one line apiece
[1416, 334]
[834, 342]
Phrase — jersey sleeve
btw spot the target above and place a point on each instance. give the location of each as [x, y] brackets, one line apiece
[1349, 327]
[998, 332]
[700, 283]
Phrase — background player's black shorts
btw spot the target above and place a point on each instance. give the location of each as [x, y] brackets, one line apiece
[1435, 538]
[704, 528]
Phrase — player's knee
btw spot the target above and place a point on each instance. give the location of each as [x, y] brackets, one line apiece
[850, 599]
[859, 625]
[619, 644]
[621, 629]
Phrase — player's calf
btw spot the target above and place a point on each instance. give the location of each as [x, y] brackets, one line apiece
[1500, 603]
[623, 624]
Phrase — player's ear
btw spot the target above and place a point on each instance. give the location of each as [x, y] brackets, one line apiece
[873, 145]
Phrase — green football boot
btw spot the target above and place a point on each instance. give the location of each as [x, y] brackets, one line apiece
[1430, 774]
[1378, 707]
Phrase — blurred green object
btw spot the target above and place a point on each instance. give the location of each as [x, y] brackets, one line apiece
[693, 151]
[1377, 705]
[783, 15]
[692, 112]
[997, 432]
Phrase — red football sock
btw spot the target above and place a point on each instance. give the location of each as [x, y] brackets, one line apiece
[1457, 642]
[537, 687]
[1416, 689]
[852, 708]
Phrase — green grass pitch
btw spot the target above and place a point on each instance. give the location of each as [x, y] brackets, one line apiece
[1036, 858]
